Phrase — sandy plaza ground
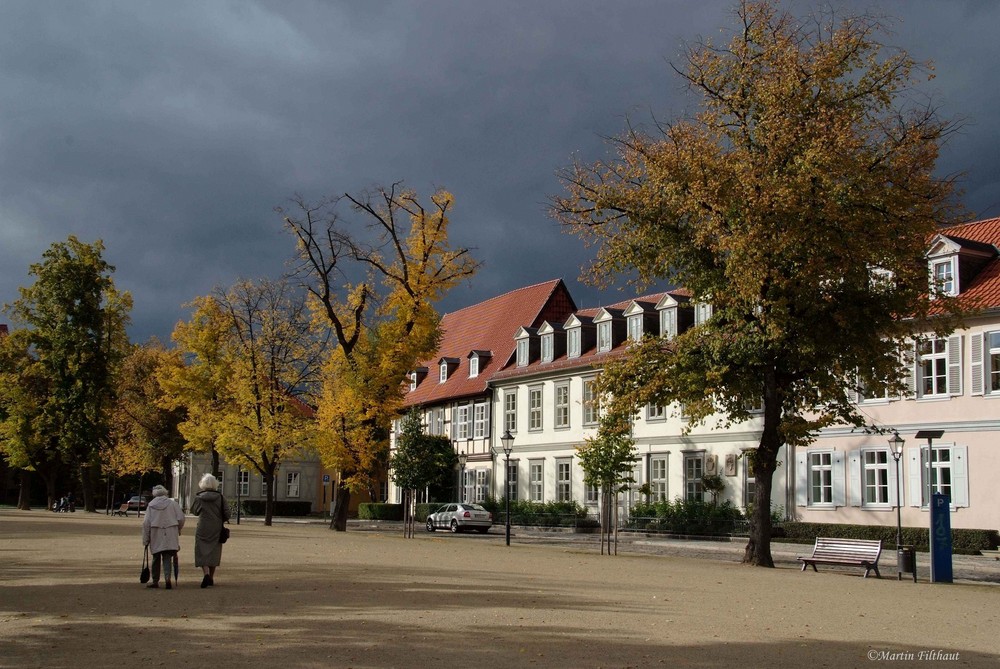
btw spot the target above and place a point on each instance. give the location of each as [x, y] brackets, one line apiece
[300, 595]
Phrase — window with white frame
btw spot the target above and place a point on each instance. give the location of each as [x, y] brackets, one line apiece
[522, 352]
[749, 479]
[292, 484]
[512, 480]
[591, 494]
[562, 405]
[535, 408]
[510, 411]
[591, 405]
[875, 477]
[474, 366]
[480, 421]
[547, 347]
[943, 272]
[821, 478]
[243, 481]
[655, 412]
[413, 380]
[462, 421]
[658, 479]
[635, 327]
[933, 367]
[986, 361]
[939, 469]
[482, 485]
[702, 312]
[604, 336]
[435, 421]
[993, 356]
[694, 469]
[443, 373]
[573, 340]
[668, 322]
[536, 481]
[564, 481]
[263, 485]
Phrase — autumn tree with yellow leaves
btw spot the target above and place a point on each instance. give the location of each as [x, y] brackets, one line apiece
[260, 376]
[797, 201]
[373, 280]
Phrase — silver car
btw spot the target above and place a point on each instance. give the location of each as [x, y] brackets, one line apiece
[457, 517]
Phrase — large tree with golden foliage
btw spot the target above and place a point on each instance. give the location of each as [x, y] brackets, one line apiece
[797, 201]
[373, 280]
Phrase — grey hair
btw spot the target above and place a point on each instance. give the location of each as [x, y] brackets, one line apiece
[208, 482]
[159, 491]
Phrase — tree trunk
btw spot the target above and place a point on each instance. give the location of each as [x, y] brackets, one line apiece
[87, 483]
[758, 550]
[269, 502]
[24, 493]
[342, 503]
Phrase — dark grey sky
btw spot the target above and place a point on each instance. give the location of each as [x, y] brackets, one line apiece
[172, 130]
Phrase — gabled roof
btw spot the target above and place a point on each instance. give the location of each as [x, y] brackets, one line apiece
[983, 290]
[489, 326]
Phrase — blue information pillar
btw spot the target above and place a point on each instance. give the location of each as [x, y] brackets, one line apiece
[940, 538]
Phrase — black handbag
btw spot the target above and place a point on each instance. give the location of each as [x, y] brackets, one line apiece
[223, 535]
[144, 574]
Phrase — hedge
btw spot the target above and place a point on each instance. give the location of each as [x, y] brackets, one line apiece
[257, 507]
[380, 511]
[964, 542]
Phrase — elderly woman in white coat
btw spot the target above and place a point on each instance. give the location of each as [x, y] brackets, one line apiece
[161, 531]
[211, 509]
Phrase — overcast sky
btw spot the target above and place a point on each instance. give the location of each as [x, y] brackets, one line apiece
[171, 130]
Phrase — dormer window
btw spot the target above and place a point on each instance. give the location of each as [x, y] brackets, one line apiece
[416, 376]
[573, 342]
[446, 366]
[474, 366]
[413, 380]
[702, 312]
[444, 372]
[547, 347]
[668, 323]
[604, 336]
[943, 273]
[522, 352]
[635, 327]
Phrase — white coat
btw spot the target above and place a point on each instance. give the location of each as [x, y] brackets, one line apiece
[162, 527]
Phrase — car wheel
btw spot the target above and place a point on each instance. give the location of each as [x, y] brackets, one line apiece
[430, 525]
[454, 526]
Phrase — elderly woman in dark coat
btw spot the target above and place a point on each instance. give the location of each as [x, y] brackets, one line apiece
[210, 507]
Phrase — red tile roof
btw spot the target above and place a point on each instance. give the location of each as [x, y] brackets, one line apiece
[984, 290]
[488, 326]
[590, 357]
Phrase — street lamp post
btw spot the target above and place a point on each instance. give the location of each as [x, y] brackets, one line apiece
[896, 448]
[462, 459]
[508, 445]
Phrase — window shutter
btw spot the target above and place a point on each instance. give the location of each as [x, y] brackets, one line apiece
[914, 476]
[955, 365]
[910, 362]
[976, 342]
[960, 476]
[854, 474]
[837, 477]
[802, 479]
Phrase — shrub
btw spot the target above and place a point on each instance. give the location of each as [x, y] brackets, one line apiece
[964, 541]
[257, 507]
[380, 511]
[683, 516]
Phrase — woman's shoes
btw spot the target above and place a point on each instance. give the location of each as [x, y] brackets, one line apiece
[168, 585]
[206, 581]
[156, 585]
[211, 581]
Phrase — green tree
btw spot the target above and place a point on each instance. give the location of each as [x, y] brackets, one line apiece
[421, 461]
[607, 461]
[376, 292]
[798, 202]
[76, 321]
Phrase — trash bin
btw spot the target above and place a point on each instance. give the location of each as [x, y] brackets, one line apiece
[906, 562]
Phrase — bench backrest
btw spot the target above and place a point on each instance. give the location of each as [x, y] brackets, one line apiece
[848, 549]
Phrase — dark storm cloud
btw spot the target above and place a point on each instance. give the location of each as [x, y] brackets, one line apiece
[171, 130]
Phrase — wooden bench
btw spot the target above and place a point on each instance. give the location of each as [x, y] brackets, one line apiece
[852, 552]
[121, 510]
